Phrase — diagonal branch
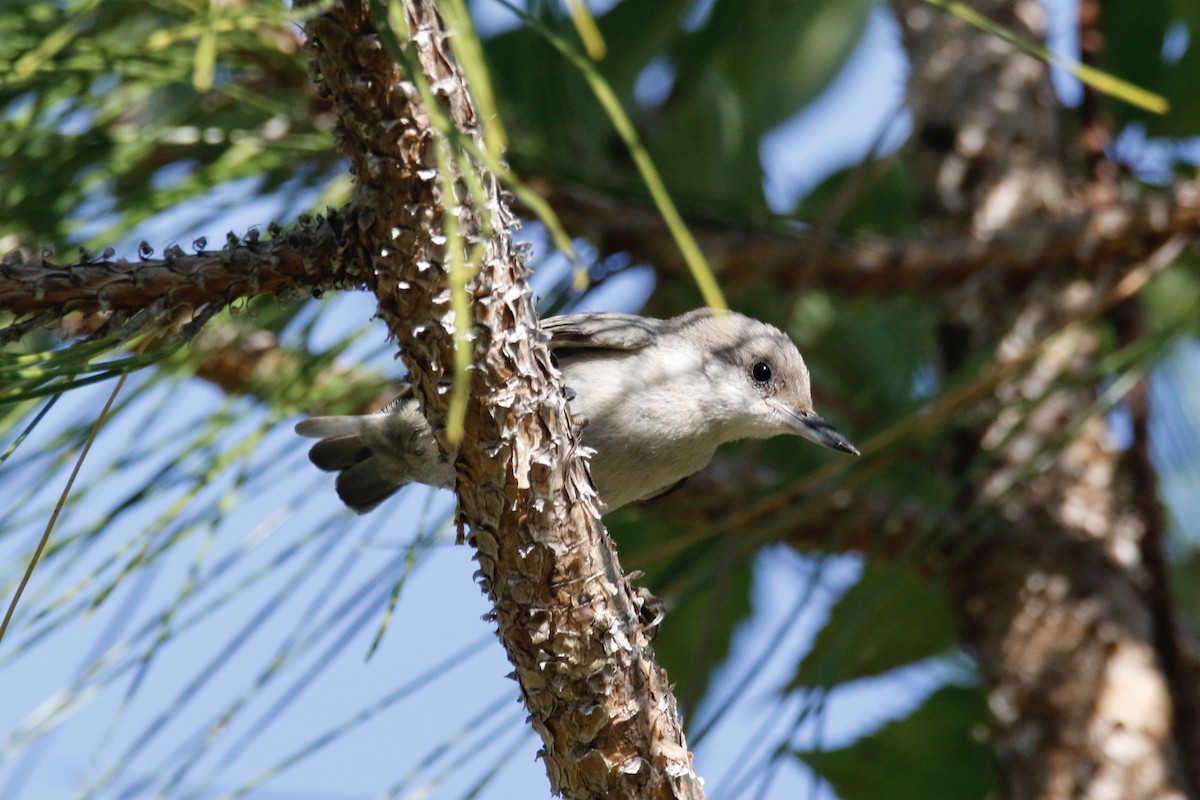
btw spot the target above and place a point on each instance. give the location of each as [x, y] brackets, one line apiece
[564, 611]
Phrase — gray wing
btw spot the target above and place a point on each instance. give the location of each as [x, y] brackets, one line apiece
[601, 330]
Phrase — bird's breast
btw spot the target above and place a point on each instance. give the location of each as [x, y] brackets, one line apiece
[648, 433]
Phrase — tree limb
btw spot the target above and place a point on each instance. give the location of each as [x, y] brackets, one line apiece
[935, 266]
[564, 611]
[150, 291]
[932, 265]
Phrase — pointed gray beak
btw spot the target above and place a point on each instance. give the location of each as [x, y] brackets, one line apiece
[815, 429]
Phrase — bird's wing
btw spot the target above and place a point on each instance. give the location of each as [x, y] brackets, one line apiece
[601, 330]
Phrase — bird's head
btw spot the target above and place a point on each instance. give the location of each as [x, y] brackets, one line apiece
[761, 381]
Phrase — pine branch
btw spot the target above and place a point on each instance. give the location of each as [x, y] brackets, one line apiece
[153, 292]
[564, 611]
[933, 266]
[40, 292]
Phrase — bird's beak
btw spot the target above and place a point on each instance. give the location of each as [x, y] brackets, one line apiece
[815, 429]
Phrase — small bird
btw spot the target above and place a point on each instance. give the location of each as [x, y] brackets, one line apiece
[657, 397]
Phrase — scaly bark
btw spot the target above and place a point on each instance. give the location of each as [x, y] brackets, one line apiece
[564, 611]
[160, 292]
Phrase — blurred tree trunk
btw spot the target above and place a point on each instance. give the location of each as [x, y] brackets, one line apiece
[1050, 582]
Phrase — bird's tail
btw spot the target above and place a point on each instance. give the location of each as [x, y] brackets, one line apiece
[363, 481]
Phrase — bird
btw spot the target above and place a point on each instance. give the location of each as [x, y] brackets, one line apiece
[657, 397]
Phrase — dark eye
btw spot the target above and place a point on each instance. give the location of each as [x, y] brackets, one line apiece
[761, 371]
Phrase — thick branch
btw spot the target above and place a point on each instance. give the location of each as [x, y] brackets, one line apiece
[310, 256]
[933, 265]
[563, 609]
[176, 286]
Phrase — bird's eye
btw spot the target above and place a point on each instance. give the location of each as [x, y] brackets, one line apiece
[761, 372]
